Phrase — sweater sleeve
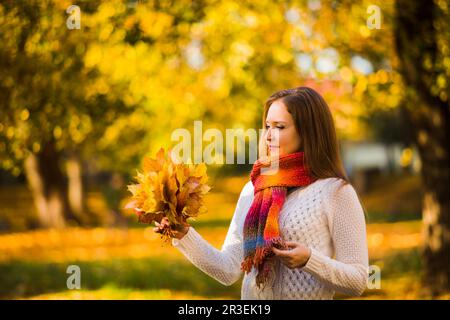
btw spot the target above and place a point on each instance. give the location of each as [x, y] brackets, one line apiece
[347, 273]
[223, 265]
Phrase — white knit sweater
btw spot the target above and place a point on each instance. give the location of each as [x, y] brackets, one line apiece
[326, 216]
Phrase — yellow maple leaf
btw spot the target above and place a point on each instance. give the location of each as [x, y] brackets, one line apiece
[169, 189]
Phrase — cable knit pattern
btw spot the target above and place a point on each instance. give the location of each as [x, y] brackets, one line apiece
[326, 216]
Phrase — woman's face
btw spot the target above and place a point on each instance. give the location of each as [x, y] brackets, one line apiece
[281, 135]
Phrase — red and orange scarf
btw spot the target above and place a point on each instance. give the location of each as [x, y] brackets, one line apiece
[261, 230]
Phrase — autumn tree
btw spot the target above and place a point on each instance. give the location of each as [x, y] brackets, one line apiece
[69, 95]
[422, 38]
[52, 104]
[409, 59]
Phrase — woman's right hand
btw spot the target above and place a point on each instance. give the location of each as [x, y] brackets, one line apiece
[178, 233]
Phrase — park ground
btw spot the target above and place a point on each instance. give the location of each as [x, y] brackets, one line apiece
[132, 262]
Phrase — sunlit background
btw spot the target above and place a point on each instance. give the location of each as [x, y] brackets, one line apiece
[80, 106]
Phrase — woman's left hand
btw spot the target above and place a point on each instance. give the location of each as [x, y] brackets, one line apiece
[295, 257]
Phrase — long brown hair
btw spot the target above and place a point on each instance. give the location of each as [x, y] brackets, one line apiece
[315, 125]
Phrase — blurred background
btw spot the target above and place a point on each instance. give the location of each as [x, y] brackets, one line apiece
[87, 91]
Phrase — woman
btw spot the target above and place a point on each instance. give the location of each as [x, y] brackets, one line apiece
[298, 232]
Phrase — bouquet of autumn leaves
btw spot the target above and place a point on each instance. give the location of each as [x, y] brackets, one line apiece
[170, 191]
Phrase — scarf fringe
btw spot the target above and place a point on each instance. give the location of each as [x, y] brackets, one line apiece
[261, 254]
[263, 274]
[266, 251]
[247, 264]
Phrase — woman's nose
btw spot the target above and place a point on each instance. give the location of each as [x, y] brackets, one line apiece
[273, 136]
[268, 135]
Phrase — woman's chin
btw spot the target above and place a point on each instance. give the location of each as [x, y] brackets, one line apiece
[273, 152]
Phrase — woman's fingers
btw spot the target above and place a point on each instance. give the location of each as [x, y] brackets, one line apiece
[176, 230]
[165, 220]
[280, 253]
[275, 250]
[159, 227]
[291, 244]
[284, 255]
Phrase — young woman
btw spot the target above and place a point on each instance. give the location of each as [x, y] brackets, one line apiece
[298, 233]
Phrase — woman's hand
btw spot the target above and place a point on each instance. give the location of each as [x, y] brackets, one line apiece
[295, 257]
[178, 233]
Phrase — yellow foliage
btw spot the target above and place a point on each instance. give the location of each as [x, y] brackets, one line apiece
[169, 189]
[154, 23]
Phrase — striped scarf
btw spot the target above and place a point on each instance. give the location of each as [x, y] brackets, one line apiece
[261, 230]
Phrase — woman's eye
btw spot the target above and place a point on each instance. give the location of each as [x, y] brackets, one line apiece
[280, 127]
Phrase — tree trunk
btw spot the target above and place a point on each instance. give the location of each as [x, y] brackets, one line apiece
[415, 37]
[49, 188]
[75, 194]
